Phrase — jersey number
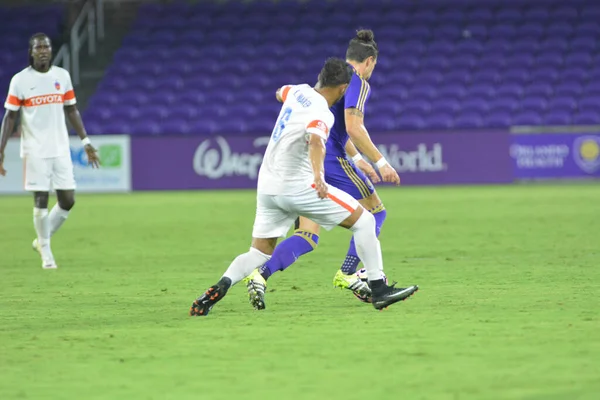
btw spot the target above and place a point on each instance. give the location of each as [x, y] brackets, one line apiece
[280, 124]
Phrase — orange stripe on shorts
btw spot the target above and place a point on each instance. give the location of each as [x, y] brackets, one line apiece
[338, 201]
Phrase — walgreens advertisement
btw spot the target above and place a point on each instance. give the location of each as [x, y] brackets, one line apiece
[232, 162]
[555, 156]
[113, 176]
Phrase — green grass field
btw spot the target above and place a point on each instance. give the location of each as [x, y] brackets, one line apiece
[509, 306]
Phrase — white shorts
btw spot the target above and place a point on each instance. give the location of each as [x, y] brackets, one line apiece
[45, 174]
[276, 213]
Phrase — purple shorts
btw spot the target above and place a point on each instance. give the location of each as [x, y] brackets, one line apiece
[342, 174]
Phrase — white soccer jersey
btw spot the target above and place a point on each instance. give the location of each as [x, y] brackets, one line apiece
[41, 98]
[286, 169]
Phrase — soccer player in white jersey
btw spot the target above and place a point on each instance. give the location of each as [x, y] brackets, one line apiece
[43, 94]
[291, 183]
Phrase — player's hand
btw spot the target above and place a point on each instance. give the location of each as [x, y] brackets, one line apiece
[92, 155]
[321, 187]
[2, 170]
[368, 170]
[389, 174]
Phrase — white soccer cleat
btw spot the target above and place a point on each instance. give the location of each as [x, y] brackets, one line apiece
[50, 264]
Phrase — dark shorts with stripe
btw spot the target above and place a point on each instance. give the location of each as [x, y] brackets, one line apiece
[342, 174]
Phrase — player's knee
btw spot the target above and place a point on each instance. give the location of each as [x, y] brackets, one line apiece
[67, 204]
[366, 221]
[40, 199]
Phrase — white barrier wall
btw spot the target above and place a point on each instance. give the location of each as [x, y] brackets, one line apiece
[113, 176]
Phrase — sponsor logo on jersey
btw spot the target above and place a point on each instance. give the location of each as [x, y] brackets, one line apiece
[57, 85]
[43, 100]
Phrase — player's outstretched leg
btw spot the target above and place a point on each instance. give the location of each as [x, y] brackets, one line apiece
[241, 267]
[285, 254]
[369, 251]
[42, 228]
[58, 215]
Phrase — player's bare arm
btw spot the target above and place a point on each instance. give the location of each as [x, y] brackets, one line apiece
[8, 126]
[359, 135]
[74, 117]
[360, 162]
[316, 155]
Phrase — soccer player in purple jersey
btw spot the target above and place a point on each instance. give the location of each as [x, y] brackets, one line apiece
[344, 168]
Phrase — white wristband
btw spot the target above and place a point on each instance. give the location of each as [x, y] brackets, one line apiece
[85, 141]
[381, 163]
[356, 158]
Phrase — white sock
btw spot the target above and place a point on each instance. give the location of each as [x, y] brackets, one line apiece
[367, 245]
[42, 228]
[56, 218]
[244, 264]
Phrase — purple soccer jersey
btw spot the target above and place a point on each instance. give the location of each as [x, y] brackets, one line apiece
[339, 171]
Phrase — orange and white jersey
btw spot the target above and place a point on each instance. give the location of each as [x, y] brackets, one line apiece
[41, 97]
[286, 169]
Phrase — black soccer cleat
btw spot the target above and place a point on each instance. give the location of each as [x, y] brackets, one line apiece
[390, 295]
[203, 304]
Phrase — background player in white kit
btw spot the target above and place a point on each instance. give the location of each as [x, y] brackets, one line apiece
[43, 94]
[291, 183]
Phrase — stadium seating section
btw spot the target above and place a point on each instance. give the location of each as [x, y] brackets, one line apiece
[16, 26]
[213, 68]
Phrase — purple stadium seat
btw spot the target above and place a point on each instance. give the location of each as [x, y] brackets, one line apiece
[457, 76]
[452, 15]
[546, 74]
[435, 63]
[448, 31]
[524, 60]
[429, 77]
[531, 29]
[554, 44]
[497, 120]
[440, 47]
[588, 28]
[579, 59]
[510, 89]
[481, 91]
[563, 29]
[500, 45]
[565, 13]
[469, 46]
[557, 117]
[535, 104]
[483, 14]
[593, 87]
[508, 14]
[486, 76]
[549, 59]
[440, 121]
[515, 75]
[571, 88]
[539, 89]
[503, 104]
[477, 30]
[577, 74]
[536, 13]
[591, 103]
[409, 122]
[451, 90]
[503, 30]
[445, 106]
[416, 106]
[475, 105]
[527, 118]
[525, 45]
[584, 44]
[589, 117]
[565, 103]
[468, 120]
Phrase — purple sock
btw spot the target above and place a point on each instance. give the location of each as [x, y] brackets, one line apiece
[351, 262]
[288, 251]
